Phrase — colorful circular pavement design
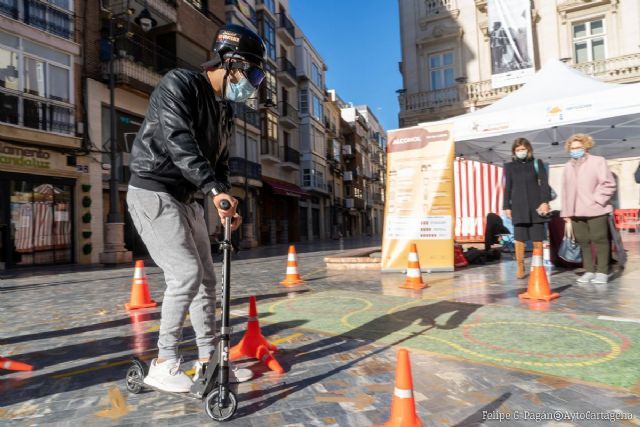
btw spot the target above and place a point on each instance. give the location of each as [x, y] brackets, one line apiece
[573, 346]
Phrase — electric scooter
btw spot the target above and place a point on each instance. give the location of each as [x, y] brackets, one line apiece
[212, 387]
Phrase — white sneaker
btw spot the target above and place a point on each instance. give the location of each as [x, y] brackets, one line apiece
[236, 375]
[600, 278]
[586, 277]
[167, 376]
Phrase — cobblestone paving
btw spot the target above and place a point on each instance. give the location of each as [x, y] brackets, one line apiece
[71, 325]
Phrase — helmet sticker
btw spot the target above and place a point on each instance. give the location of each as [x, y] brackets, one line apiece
[229, 37]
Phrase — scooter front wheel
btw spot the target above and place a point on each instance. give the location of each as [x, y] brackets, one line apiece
[215, 411]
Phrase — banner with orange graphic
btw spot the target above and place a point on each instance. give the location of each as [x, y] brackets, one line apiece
[419, 205]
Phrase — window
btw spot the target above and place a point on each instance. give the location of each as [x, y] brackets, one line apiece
[35, 85]
[270, 87]
[53, 16]
[270, 4]
[317, 108]
[315, 75]
[303, 105]
[589, 41]
[267, 28]
[441, 70]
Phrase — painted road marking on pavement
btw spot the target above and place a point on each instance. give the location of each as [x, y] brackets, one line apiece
[618, 319]
[287, 338]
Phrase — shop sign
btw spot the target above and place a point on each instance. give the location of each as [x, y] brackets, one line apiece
[25, 157]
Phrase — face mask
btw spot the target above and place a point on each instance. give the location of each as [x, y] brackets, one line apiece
[577, 153]
[239, 92]
[522, 154]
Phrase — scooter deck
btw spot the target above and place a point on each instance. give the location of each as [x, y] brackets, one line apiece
[186, 395]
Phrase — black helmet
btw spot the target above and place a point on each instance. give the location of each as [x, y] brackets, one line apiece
[234, 40]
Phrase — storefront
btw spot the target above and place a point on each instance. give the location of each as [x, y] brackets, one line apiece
[37, 206]
[279, 213]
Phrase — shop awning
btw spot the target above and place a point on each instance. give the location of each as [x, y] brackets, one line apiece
[284, 188]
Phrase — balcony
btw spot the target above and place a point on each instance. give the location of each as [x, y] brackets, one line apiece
[164, 11]
[315, 183]
[245, 10]
[286, 30]
[348, 151]
[237, 168]
[349, 203]
[242, 113]
[288, 116]
[36, 113]
[287, 72]
[291, 159]
[437, 9]
[462, 97]
[269, 151]
[39, 14]
[139, 62]
[621, 69]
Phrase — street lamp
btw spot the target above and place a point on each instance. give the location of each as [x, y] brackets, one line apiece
[245, 209]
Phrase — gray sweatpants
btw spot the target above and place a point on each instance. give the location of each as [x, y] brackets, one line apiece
[176, 236]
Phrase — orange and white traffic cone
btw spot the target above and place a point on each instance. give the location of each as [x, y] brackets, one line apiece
[538, 283]
[140, 296]
[403, 406]
[254, 344]
[414, 276]
[12, 365]
[292, 277]
[458, 257]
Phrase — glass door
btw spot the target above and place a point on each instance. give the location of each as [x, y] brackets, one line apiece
[4, 224]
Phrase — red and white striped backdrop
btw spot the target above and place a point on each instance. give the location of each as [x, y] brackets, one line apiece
[478, 191]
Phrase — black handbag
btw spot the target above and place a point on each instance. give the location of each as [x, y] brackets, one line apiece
[569, 249]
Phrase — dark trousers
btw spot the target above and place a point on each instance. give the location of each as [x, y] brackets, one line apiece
[594, 230]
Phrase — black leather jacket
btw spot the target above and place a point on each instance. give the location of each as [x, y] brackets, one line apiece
[181, 147]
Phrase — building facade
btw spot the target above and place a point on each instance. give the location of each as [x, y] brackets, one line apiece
[177, 34]
[44, 179]
[447, 63]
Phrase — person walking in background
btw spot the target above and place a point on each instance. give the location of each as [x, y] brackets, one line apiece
[588, 186]
[526, 198]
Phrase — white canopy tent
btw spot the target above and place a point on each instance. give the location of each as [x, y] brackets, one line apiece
[556, 102]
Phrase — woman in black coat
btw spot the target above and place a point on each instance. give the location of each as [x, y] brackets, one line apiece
[526, 198]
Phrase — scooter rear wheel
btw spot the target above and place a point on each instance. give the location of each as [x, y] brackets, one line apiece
[135, 377]
[215, 411]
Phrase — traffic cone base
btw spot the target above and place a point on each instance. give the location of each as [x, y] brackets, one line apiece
[458, 256]
[140, 295]
[12, 365]
[403, 406]
[253, 344]
[292, 277]
[538, 287]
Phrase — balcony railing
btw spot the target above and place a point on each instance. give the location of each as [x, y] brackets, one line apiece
[287, 67]
[35, 113]
[269, 148]
[289, 111]
[39, 14]
[291, 155]
[285, 23]
[243, 112]
[237, 168]
[621, 68]
[437, 7]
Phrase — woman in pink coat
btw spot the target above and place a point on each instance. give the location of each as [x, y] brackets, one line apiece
[588, 186]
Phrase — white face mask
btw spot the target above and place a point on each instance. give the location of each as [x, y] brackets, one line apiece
[522, 154]
[239, 92]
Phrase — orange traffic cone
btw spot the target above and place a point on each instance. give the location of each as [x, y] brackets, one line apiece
[414, 276]
[538, 283]
[459, 259]
[292, 278]
[403, 406]
[254, 344]
[12, 365]
[140, 296]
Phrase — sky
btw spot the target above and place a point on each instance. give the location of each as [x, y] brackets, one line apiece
[359, 41]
